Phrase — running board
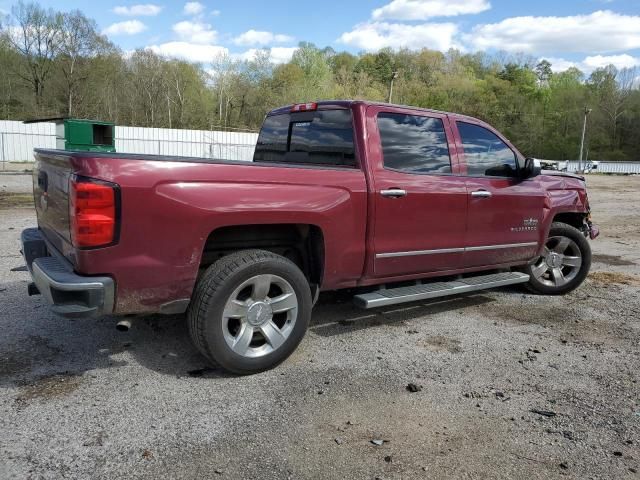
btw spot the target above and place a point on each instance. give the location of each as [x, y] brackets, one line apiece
[394, 296]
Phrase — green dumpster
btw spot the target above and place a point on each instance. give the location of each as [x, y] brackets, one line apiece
[82, 135]
[85, 135]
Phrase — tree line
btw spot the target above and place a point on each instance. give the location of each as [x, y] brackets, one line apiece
[58, 64]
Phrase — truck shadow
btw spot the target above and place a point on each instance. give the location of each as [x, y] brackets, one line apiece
[36, 345]
[334, 313]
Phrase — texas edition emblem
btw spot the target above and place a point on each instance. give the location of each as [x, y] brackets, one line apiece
[528, 225]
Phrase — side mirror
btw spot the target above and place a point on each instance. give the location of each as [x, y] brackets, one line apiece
[532, 168]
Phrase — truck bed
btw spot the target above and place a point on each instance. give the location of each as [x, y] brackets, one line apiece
[170, 207]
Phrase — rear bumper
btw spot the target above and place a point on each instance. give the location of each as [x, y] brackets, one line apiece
[69, 294]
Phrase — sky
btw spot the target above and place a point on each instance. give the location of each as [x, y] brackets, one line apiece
[584, 33]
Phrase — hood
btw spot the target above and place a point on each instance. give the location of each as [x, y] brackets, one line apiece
[557, 173]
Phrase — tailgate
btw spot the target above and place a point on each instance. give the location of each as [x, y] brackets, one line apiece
[51, 195]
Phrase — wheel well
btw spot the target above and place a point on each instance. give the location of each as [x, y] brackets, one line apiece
[574, 219]
[303, 244]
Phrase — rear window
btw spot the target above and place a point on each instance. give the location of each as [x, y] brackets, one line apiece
[307, 138]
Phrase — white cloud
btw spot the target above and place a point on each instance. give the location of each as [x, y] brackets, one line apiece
[193, 8]
[591, 63]
[373, 36]
[195, 32]
[425, 9]
[192, 52]
[276, 54]
[619, 61]
[282, 54]
[560, 64]
[215, 13]
[142, 10]
[129, 27]
[254, 37]
[599, 32]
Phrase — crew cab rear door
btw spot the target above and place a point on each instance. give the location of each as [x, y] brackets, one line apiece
[419, 202]
[504, 211]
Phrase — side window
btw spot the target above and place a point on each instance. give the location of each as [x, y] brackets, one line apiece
[485, 153]
[414, 144]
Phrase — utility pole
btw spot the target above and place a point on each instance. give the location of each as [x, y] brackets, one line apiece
[587, 111]
[394, 75]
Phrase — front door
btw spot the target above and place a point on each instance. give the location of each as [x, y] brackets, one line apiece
[420, 201]
[504, 211]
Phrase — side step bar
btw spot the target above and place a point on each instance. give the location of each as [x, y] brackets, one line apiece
[394, 296]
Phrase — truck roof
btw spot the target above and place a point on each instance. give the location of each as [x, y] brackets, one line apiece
[329, 104]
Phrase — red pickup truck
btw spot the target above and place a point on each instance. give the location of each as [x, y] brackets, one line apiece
[340, 194]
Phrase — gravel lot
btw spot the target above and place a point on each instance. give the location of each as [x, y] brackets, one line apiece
[79, 399]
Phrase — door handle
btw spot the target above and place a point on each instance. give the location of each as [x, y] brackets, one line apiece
[393, 193]
[481, 194]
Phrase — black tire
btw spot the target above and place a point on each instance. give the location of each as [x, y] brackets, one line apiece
[545, 284]
[214, 290]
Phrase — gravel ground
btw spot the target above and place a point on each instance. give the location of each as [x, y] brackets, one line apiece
[15, 182]
[79, 399]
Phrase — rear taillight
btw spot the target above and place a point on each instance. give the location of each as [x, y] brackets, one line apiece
[93, 212]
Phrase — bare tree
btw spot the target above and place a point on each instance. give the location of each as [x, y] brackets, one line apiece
[36, 34]
[613, 87]
[79, 42]
[146, 70]
[176, 84]
[224, 71]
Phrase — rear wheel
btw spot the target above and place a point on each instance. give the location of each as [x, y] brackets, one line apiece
[564, 263]
[250, 311]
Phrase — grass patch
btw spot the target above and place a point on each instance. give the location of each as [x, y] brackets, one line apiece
[15, 200]
[614, 277]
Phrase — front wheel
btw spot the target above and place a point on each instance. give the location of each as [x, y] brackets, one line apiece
[250, 311]
[564, 264]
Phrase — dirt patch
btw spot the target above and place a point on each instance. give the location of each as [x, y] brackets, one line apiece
[612, 260]
[12, 200]
[539, 314]
[614, 277]
[48, 387]
[439, 343]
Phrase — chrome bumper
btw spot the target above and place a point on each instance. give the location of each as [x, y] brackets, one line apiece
[69, 294]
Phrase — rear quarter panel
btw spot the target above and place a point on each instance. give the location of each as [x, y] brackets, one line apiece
[170, 208]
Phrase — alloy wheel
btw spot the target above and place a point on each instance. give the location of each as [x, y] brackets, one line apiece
[560, 262]
[259, 315]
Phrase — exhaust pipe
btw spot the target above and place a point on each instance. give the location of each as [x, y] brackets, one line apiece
[124, 325]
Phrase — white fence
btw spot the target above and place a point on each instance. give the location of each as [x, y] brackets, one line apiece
[227, 145]
[605, 167]
[17, 141]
